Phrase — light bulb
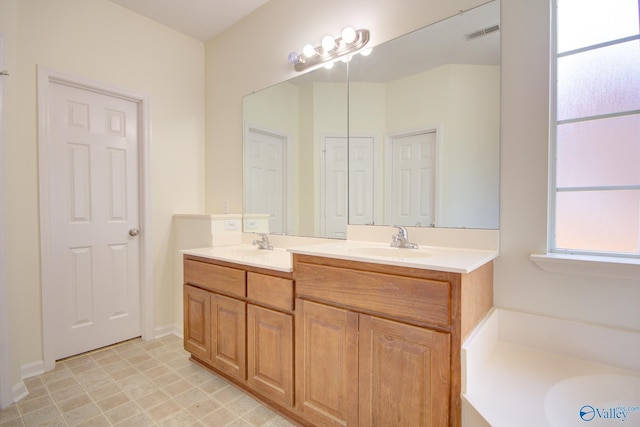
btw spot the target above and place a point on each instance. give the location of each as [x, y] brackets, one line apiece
[349, 35]
[328, 65]
[328, 43]
[294, 58]
[308, 51]
[366, 52]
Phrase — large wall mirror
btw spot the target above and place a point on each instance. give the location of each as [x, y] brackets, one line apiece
[408, 135]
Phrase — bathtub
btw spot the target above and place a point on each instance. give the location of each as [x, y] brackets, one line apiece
[594, 401]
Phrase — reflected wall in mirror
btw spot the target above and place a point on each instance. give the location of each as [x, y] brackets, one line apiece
[424, 126]
[285, 128]
[422, 131]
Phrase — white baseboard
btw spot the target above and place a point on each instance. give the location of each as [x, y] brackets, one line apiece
[32, 369]
[173, 329]
[19, 391]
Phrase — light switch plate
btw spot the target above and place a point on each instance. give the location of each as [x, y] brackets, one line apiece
[231, 224]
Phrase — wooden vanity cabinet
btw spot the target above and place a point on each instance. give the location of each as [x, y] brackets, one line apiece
[379, 344]
[238, 321]
[270, 337]
[197, 322]
[374, 344]
[228, 335]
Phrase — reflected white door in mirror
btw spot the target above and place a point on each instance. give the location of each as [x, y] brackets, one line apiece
[265, 172]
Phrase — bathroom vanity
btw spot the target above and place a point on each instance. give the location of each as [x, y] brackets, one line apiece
[353, 339]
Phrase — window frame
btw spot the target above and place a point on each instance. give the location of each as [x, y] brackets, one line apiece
[552, 250]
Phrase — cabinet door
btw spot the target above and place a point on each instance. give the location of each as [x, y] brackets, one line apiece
[326, 364]
[197, 322]
[270, 353]
[228, 324]
[404, 374]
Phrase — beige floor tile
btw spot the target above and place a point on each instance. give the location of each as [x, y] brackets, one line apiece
[163, 410]
[243, 404]
[136, 384]
[104, 391]
[139, 420]
[279, 421]
[178, 387]
[81, 414]
[68, 393]
[74, 403]
[54, 422]
[14, 423]
[213, 385]
[40, 416]
[157, 371]
[60, 372]
[166, 379]
[93, 378]
[218, 418]
[116, 366]
[238, 423]
[123, 373]
[152, 400]
[8, 414]
[123, 412]
[181, 418]
[36, 392]
[259, 416]
[99, 421]
[56, 386]
[203, 408]
[227, 394]
[113, 401]
[32, 405]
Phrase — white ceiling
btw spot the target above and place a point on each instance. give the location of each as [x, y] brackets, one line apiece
[200, 19]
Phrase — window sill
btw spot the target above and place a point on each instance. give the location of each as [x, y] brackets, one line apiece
[619, 268]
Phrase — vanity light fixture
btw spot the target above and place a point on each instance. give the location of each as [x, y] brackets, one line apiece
[330, 49]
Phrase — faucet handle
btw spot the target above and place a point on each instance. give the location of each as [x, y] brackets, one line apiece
[402, 231]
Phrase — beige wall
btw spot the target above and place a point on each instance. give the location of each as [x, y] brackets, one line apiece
[252, 55]
[99, 41]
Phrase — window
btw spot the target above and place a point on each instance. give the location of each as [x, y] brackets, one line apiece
[595, 203]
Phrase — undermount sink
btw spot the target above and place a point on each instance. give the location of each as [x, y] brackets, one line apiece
[251, 252]
[389, 252]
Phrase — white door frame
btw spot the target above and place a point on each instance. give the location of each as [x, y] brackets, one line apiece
[6, 397]
[147, 297]
[388, 180]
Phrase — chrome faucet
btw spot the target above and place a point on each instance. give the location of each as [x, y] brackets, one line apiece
[263, 243]
[401, 240]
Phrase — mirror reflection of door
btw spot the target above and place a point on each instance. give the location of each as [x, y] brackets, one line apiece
[265, 160]
[348, 184]
[412, 179]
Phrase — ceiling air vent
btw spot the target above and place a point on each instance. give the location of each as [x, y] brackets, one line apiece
[483, 32]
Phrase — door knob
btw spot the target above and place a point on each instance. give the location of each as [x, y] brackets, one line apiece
[134, 232]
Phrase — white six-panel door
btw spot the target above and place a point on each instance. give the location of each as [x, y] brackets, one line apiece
[265, 174]
[412, 190]
[94, 219]
[348, 184]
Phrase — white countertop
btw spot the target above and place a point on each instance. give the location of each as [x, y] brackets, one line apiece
[277, 259]
[452, 260]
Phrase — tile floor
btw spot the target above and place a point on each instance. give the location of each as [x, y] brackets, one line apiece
[136, 383]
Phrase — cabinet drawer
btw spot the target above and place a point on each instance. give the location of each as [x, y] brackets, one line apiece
[272, 291]
[415, 300]
[215, 278]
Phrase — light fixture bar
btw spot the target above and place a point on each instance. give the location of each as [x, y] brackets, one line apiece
[302, 62]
